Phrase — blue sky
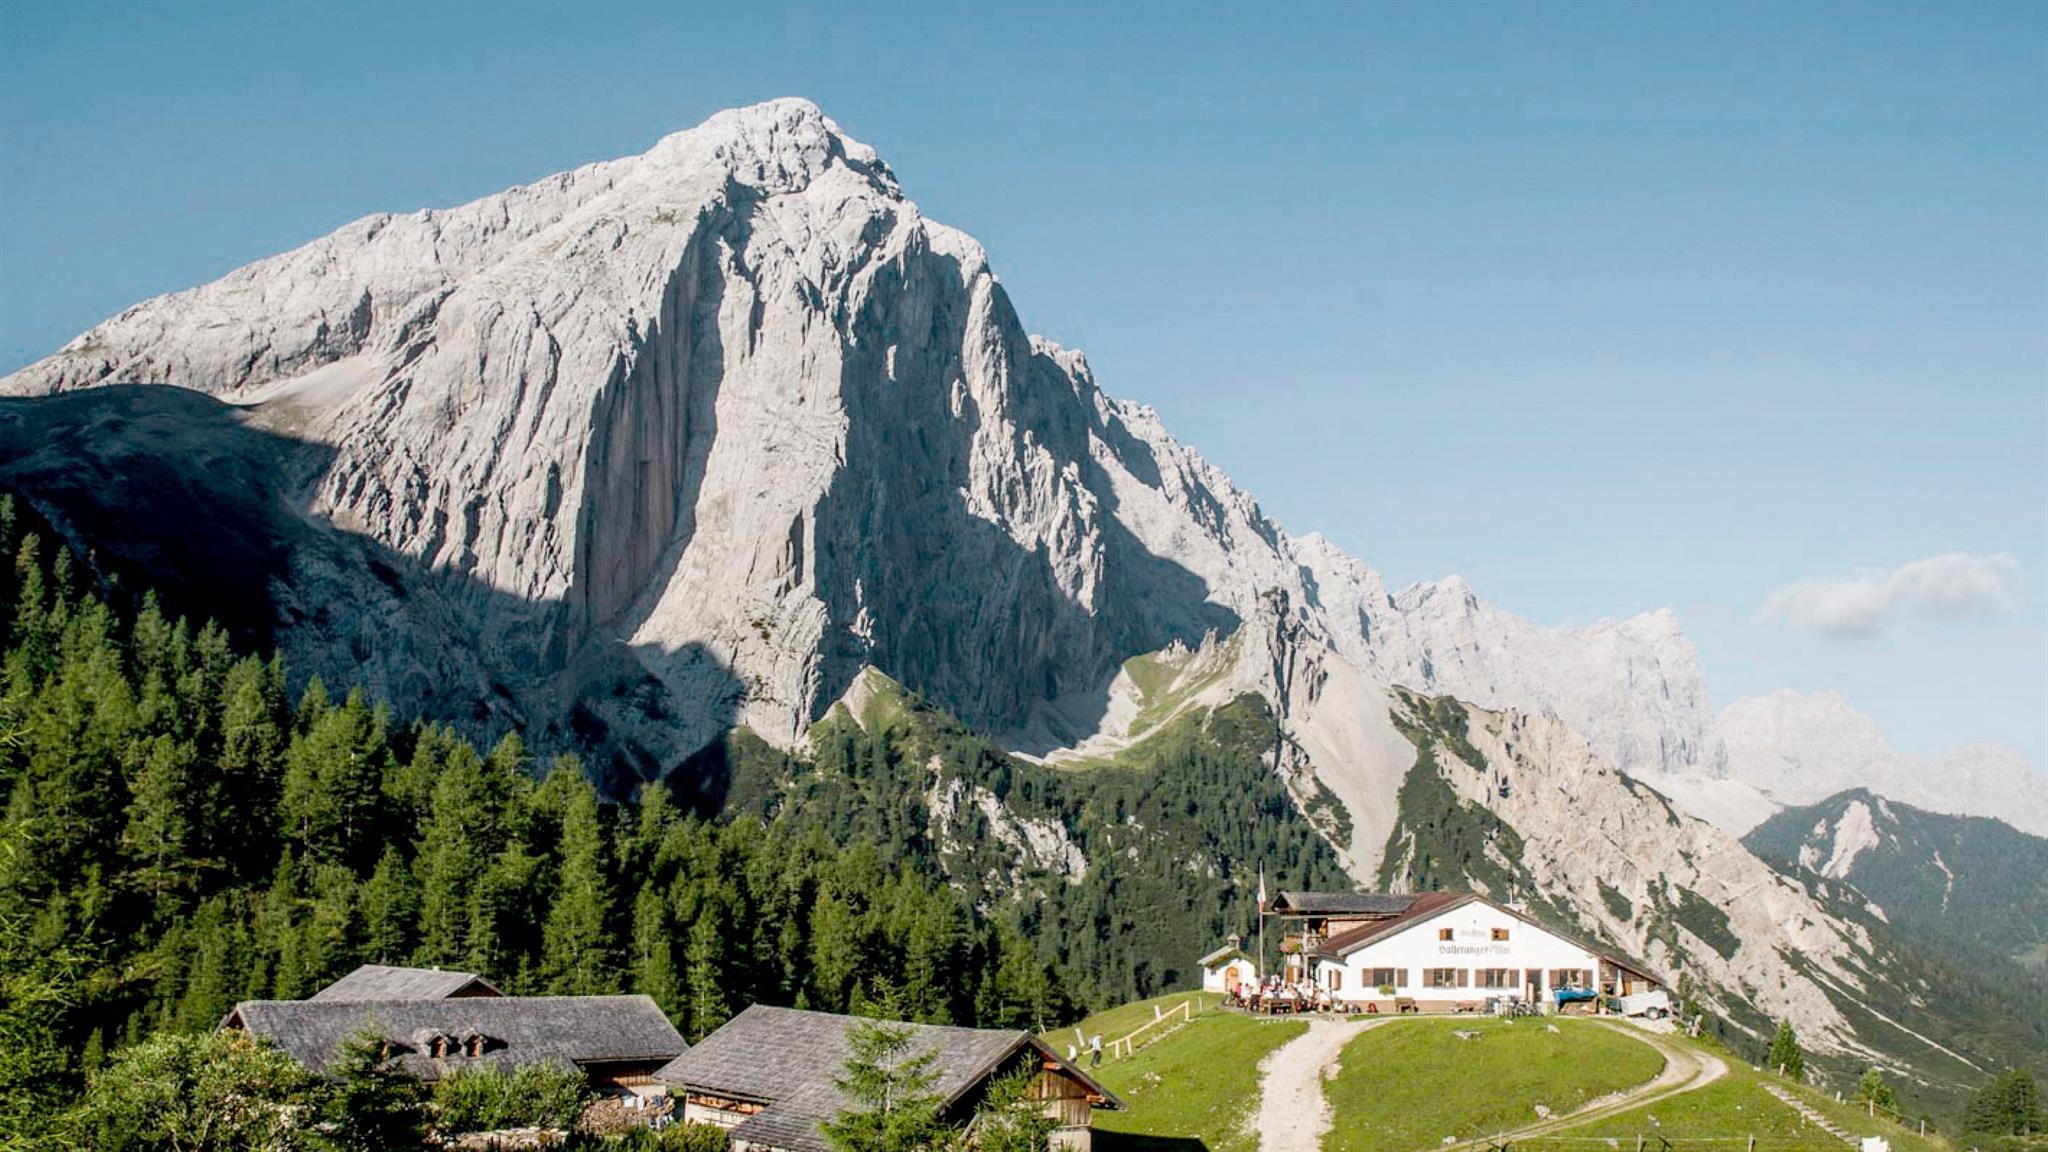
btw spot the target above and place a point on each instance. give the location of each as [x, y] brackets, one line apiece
[1606, 308]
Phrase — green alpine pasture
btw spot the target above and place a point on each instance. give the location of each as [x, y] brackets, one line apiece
[1738, 1106]
[1196, 1088]
[1410, 1084]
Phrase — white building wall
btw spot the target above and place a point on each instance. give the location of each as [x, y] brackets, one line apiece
[1219, 977]
[1472, 949]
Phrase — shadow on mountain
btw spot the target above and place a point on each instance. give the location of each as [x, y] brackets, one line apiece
[169, 489]
[938, 594]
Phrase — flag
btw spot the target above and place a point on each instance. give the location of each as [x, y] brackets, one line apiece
[1262, 887]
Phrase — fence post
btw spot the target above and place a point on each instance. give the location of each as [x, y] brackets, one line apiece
[1752, 1144]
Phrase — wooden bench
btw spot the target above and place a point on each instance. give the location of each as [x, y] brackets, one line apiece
[1405, 1005]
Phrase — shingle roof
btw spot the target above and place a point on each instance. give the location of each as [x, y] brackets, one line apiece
[1342, 903]
[385, 982]
[1420, 908]
[1228, 951]
[788, 1059]
[521, 1030]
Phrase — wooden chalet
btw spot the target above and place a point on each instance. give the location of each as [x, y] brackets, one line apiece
[1317, 916]
[618, 1042]
[769, 1076]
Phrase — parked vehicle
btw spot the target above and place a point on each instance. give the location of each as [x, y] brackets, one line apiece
[1572, 994]
[1654, 1005]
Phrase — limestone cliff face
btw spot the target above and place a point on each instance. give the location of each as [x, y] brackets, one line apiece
[684, 440]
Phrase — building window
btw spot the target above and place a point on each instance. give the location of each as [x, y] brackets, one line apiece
[1387, 977]
[1336, 979]
[1500, 934]
[1497, 978]
[1443, 933]
[1443, 978]
[1570, 978]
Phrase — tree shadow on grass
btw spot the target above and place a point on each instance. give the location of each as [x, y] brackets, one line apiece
[1133, 1142]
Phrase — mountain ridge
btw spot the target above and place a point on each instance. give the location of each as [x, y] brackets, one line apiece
[682, 445]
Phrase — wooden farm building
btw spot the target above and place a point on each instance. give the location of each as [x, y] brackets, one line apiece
[769, 1076]
[619, 1042]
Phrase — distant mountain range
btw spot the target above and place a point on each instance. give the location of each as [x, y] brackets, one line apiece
[1965, 882]
[696, 442]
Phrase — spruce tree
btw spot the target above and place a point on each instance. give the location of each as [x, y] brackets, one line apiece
[705, 978]
[890, 1106]
[2010, 1105]
[577, 949]
[1786, 1057]
[654, 965]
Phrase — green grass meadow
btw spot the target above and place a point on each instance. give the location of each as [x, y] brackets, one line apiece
[1195, 1089]
[1409, 1084]
[1731, 1110]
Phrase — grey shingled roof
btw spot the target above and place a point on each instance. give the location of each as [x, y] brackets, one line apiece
[385, 982]
[1425, 907]
[1342, 903]
[521, 1030]
[788, 1060]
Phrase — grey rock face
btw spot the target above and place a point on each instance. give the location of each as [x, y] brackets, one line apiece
[683, 441]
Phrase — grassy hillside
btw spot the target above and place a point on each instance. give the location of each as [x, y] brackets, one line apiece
[1411, 1084]
[1737, 1107]
[1195, 1089]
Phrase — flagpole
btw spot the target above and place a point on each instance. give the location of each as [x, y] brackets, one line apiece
[1262, 922]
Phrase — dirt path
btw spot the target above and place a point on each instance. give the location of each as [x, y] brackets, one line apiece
[1293, 1115]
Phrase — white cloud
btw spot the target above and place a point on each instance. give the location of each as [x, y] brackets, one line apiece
[1952, 585]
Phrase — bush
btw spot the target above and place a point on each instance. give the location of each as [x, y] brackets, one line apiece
[244, 1095]
[488, 1099]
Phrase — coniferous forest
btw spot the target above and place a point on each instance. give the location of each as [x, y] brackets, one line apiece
[187, 825]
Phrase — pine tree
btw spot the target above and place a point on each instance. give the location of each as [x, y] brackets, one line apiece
[162, 832]
[390, 910]
[1872, 1089]
[334, 781]
[890, 1106]
[577, 949]
[705, 978]
[464, 831]
[654, 965]
[2008, 1106]
[1786, 1057]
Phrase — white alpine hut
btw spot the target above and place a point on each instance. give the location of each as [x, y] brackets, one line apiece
[1227, 967]
[1449, 951]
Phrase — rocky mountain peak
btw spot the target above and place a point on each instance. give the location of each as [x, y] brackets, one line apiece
[776, 147]
[682, 441]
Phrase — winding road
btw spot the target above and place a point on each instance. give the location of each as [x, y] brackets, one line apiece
[1294, 1115]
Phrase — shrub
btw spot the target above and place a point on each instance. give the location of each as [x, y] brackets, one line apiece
[242, 1094]
[488, 1099]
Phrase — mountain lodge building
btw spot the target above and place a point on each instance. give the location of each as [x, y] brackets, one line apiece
[1439, 951]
